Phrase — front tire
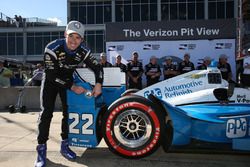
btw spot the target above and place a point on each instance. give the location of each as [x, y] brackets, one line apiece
[132, 127]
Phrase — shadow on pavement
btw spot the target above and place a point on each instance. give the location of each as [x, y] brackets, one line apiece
[53, 164]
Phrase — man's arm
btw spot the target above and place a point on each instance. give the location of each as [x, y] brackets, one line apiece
[92, 63]
[230, 75]
[128, 71]
[147, 73]
[141, 71]
[193, 68]
[158, 74]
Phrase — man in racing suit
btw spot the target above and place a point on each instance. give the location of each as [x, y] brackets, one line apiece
[61, 57]
[134, 72]
[152, 71]
[186, 65]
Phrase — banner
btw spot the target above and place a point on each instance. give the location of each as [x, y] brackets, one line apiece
[171, 30]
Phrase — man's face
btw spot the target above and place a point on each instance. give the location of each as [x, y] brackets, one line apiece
[186, 57]
[223, 60]
[135, 57]
[169, 61]
[153, 60]
[103, 58]
[73, 41]
[118, 59]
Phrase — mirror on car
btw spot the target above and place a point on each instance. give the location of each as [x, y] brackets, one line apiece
[223, 94]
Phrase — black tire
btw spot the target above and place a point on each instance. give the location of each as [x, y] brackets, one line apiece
[167, 136]
[11, 109]
[23, 109]
[100, 116]
[133, 127]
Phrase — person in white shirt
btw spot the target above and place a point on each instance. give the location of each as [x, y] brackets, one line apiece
[245, 77]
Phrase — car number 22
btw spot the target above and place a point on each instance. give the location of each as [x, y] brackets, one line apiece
[77, 120]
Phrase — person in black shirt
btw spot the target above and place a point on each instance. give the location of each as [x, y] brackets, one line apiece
[186, 65]
[119, 63]
[152, 71]
[205, 64]
[135, 71]
[225, 68]
[170, 70]
[103, 60]
[61, 58]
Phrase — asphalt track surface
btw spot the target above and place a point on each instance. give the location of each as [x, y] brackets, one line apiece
[18, 142]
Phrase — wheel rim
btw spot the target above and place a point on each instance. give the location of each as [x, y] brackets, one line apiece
[132, 128]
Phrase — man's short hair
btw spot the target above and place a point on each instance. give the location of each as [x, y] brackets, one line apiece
[187, 54]
[223, 56]
[103, 54]
[134, 53]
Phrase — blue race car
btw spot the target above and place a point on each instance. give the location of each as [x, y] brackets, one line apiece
[198, 105]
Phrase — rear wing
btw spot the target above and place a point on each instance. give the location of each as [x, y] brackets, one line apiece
[113, 77]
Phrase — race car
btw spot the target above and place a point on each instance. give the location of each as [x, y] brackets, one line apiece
[195, 106]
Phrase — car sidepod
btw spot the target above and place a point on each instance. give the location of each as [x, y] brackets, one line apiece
[217, 123]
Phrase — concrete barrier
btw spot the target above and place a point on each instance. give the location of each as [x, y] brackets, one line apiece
[31, 97]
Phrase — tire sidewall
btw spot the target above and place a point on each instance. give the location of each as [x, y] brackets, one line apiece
[143, 105]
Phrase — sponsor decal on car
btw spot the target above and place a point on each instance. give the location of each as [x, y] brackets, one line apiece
[156, 92]
[182, 89]
[196, 76]
[242, 99]
[237, 128]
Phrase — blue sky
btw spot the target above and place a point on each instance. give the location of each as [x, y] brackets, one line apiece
[45, 9]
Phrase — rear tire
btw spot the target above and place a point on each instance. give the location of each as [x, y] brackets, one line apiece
[133, 127]
[23, 109]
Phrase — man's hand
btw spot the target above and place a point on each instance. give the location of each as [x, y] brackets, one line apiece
[135, 79]
[97, 90]
[78, 89]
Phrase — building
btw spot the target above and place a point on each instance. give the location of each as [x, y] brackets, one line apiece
[27, 42]
[24, 39]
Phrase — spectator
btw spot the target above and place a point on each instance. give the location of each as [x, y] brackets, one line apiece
[38, 75]
[134, 71]
[6, 64]
[225, 68]
[103, 60]
[17, 21]
[245, 76]
[152, 71]
[205, 64]
[5, 75]
[118, 63]
[186, 65]
[170, 70]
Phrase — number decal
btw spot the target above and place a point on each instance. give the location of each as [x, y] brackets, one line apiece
[72, 126]
[85, 127]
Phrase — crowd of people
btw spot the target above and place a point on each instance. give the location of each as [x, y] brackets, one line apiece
[17, 75]
[134, 69]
